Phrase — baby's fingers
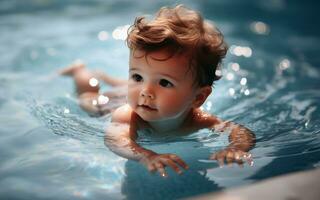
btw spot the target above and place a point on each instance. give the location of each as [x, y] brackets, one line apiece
[220, 157]
[171, 164]
[238, 159]
[160, 169]
[241, 157]
[178, 160]
[248, 158]
[151, 167]
[230, 157]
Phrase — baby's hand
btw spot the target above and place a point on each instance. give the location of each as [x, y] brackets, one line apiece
[231, 155]
[158, 162]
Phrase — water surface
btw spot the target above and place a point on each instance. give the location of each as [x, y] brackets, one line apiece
[51, 149]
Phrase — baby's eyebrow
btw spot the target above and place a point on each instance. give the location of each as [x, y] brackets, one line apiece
[133, 69]
[170, 76]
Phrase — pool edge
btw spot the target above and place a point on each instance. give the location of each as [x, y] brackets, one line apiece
[296, 186]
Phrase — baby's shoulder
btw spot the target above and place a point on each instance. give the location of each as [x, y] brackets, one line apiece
[122, 114]
[205, 120]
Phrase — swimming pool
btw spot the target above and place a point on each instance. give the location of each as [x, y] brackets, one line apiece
[50, 148]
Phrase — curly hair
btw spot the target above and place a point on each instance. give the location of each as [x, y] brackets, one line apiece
[184, 31]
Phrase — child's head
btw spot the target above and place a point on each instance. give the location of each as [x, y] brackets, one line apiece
[172, 63]
[182, 31]
[162, 89]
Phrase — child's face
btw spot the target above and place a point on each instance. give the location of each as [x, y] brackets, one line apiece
[160, 89]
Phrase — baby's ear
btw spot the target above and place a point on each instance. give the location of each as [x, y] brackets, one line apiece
[201, 96]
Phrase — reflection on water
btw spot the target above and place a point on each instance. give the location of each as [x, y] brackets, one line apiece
[50, 148]
[260, 28]
[120, 33]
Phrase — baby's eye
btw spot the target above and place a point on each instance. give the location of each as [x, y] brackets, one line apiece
[136, 77]
[165, 83]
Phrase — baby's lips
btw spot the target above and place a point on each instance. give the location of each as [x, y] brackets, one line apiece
[148, 106]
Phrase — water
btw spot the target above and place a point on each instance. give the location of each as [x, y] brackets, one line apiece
[51, 149]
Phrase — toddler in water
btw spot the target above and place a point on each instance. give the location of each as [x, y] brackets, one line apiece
[172, 67]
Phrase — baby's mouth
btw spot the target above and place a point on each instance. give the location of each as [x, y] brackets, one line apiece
[146, 107]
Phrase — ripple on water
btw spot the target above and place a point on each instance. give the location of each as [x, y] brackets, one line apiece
[75, 123]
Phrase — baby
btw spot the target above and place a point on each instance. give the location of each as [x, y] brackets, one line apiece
[172, 67]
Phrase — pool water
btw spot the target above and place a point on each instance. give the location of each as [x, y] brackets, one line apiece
[51, 149]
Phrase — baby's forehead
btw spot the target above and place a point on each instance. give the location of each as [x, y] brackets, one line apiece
[177, 63]
[160, 59]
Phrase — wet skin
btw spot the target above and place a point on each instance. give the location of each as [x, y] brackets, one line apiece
[162, 98]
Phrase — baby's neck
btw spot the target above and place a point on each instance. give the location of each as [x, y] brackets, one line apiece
[169, 125]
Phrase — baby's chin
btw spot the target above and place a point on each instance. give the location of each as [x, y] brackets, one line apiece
[155, 117]
[148, 117]
[151, 116]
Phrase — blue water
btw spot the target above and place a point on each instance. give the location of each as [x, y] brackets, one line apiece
[51, 149]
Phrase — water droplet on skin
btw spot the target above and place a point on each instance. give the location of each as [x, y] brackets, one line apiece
[93, 82]
[94, 102]
[103, 100]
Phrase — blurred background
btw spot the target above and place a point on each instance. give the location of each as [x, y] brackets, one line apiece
[50, 148]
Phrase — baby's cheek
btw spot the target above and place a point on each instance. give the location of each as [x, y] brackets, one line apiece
[173, 106]
[131, 98]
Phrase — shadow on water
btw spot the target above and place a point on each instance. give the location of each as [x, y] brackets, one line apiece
[139, 184]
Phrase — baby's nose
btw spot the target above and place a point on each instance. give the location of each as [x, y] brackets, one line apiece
[147, 94]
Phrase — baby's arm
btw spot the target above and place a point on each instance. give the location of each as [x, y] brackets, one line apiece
[121, 139]
[241, 141]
